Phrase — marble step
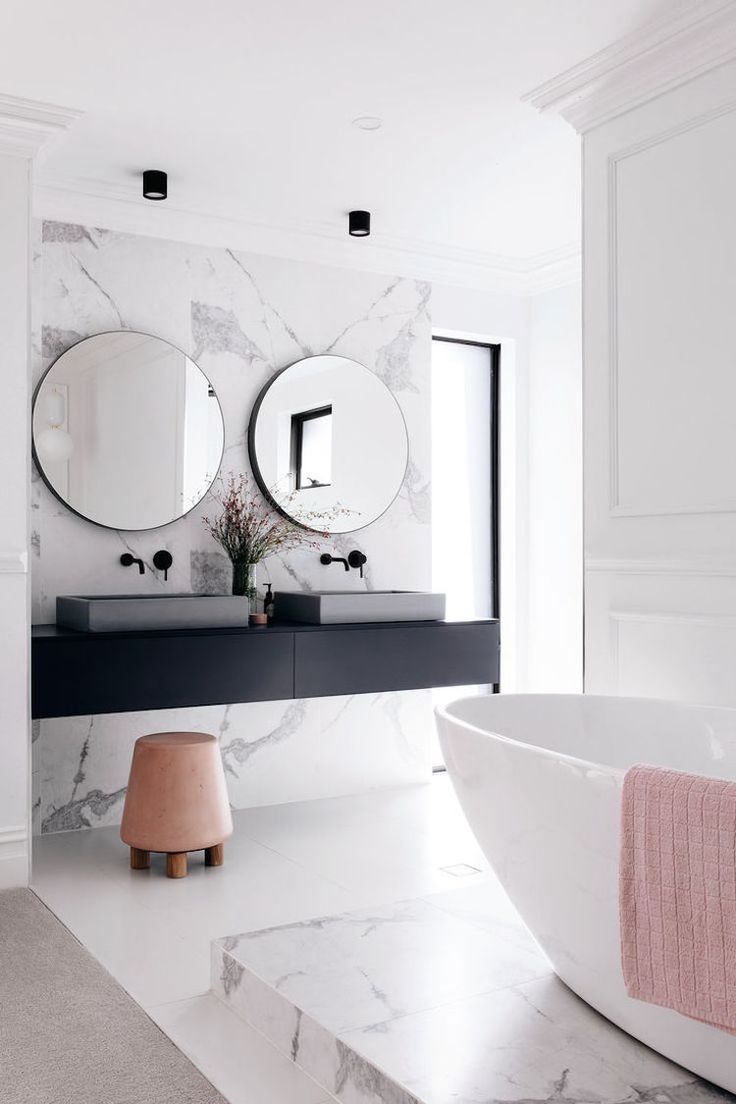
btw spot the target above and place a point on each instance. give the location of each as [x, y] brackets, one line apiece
[439, 1000]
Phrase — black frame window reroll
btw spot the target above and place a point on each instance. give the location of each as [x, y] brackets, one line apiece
[494, 354]
[297, 444]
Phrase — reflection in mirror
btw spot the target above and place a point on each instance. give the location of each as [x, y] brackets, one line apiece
[328, 443]
[311, 435]
[127, 430]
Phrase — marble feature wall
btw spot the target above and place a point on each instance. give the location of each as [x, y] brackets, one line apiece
[241, 317]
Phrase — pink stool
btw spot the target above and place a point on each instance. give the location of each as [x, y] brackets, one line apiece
[176, 801]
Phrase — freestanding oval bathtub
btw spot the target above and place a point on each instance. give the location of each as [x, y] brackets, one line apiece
[539, 778]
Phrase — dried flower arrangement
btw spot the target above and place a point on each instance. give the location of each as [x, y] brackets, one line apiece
[249, 529]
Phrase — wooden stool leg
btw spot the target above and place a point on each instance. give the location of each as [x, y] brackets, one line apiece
[214, 856]
[139, 860]
[176, 864]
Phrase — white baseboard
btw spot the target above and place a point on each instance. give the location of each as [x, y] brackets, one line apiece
[14, 866]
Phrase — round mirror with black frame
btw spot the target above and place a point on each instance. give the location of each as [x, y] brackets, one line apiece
[127, 431]
[328, 444]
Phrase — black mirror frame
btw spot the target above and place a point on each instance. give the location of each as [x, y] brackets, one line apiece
[39, 466]
[258, 475]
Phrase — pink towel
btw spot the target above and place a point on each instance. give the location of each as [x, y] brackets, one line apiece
[678, 893]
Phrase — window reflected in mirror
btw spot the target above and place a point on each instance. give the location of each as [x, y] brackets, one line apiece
[328, 444]
[311, 442]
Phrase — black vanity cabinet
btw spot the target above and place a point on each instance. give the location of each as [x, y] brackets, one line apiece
[80, 673]
[367, 659]
[75, 673]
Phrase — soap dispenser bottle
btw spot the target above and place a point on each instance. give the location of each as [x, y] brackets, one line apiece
[268, 604]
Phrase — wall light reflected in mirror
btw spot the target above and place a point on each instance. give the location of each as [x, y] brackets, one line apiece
[54, 444]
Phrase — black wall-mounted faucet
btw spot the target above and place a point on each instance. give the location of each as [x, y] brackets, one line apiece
[355, 559]
[128, 559]
[327, 559]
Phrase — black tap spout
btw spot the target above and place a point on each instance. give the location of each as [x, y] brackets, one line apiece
[127, 560]
[327, 559]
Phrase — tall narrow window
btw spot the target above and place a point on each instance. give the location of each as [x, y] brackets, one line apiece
[311, 446]
[465, 481]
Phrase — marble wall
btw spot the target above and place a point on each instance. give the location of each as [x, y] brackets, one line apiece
[241, 317]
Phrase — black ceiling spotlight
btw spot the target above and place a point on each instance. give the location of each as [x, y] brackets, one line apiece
[154, 184]
[359, 223]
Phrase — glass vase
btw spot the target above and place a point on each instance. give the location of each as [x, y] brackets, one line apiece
[244, 582]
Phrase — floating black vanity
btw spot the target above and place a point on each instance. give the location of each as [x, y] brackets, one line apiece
[129, 660]
[76, 673]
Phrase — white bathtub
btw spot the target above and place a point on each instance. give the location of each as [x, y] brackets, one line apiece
[539, 778]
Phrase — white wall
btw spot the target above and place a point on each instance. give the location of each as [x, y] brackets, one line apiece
[660, 396]
[15, 466]
[555, 602]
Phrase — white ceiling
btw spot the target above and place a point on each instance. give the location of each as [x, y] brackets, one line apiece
[248, 106]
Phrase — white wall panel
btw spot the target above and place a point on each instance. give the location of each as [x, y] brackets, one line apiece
[660, 396]
[680, 657]
[673, 281]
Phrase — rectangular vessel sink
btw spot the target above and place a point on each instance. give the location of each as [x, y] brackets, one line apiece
[131, 612]
[340, 607]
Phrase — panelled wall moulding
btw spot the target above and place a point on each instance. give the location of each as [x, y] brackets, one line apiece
[679, 672]
[696, 568]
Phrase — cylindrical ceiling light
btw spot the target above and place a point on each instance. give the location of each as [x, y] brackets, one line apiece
[154, 184]
[359, 224]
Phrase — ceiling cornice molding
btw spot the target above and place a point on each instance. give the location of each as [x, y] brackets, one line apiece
[120, 207]
[656, 58]
[28, 125]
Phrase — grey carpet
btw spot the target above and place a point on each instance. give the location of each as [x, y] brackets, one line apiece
[69, 1034]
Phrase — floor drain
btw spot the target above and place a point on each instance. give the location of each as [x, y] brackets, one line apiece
[461, 870]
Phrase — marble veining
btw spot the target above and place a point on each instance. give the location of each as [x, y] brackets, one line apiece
[417, 491]
[81, 808]
[70, 232]
[210, 572]
[369, 313]
[271, 751]
[216, 330]
[440, 1000]
[238, 750]
[242, 317]
[231, 975]
[269, 308]
[105, 294]
[55, 341]
[82, 812]
[354, 1077]
[691, 1092]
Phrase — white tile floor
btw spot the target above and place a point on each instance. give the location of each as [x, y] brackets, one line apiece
[285, 863]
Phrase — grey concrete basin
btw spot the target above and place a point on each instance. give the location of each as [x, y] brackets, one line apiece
[135, 612]
[335, 607]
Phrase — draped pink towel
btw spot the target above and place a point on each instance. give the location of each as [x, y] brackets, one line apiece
[678, 893]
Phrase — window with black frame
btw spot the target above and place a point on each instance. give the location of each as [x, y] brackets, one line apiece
[311, 447]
